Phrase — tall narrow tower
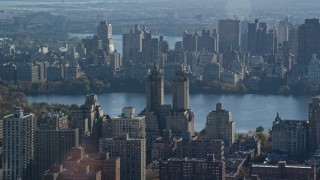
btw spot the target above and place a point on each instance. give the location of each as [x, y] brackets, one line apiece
[104, 33]
[155, 89]
[18, 147]
[314, 120]
[180, 96]
[308, 43]
[229, 35]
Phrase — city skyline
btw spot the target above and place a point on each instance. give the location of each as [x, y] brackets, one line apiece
[231, 93]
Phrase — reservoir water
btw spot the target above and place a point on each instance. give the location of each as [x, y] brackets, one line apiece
[248, 111]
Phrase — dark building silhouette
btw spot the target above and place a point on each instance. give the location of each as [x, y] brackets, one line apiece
[308, 44]
[229, 35]
[190, 41]
[314, 120]
[257, 37]
[53, 141]
[150, 50]
[208, 41]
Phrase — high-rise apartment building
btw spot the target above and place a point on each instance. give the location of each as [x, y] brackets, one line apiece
[271, 43]
[309, 35]
[150, 50]
[126, 123]
[8, 72]
[192, 168]
[89, 119]
[72, 71]
[283, 31]
[208, 41]
[104, 33]
[257, 34]
[155, 89]
[27, 72]
[291, 137]
[294, 40]
[220, 125]
[314, 71]
[190, 41]
[55, 73]
[132, 45]
[53, 147]
[229, 35]
[163, 45]
[179, 117]
[42, 70]
[132, 153]
[314, 120]
[180, 94]
[252, 35]
[18, 145]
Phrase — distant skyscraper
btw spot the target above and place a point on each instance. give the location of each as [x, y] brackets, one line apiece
[220, 125]
[309, 35]
[190, 41]
[271, 44]
[294, 40]
[150, 50]
[257, 33]
[27, 72]
[314, 120]
[314, 71]
[285, 56]
[163, 45]
[104, 33]
[229, 35]
[252, 35]
[132, 45]
[18, 145]
[208, 41]
[283, 31]
[180, 96]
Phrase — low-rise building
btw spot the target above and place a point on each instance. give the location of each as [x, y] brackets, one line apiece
[192, 168]
[200, 148]
[283, 171]
[88, 167]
